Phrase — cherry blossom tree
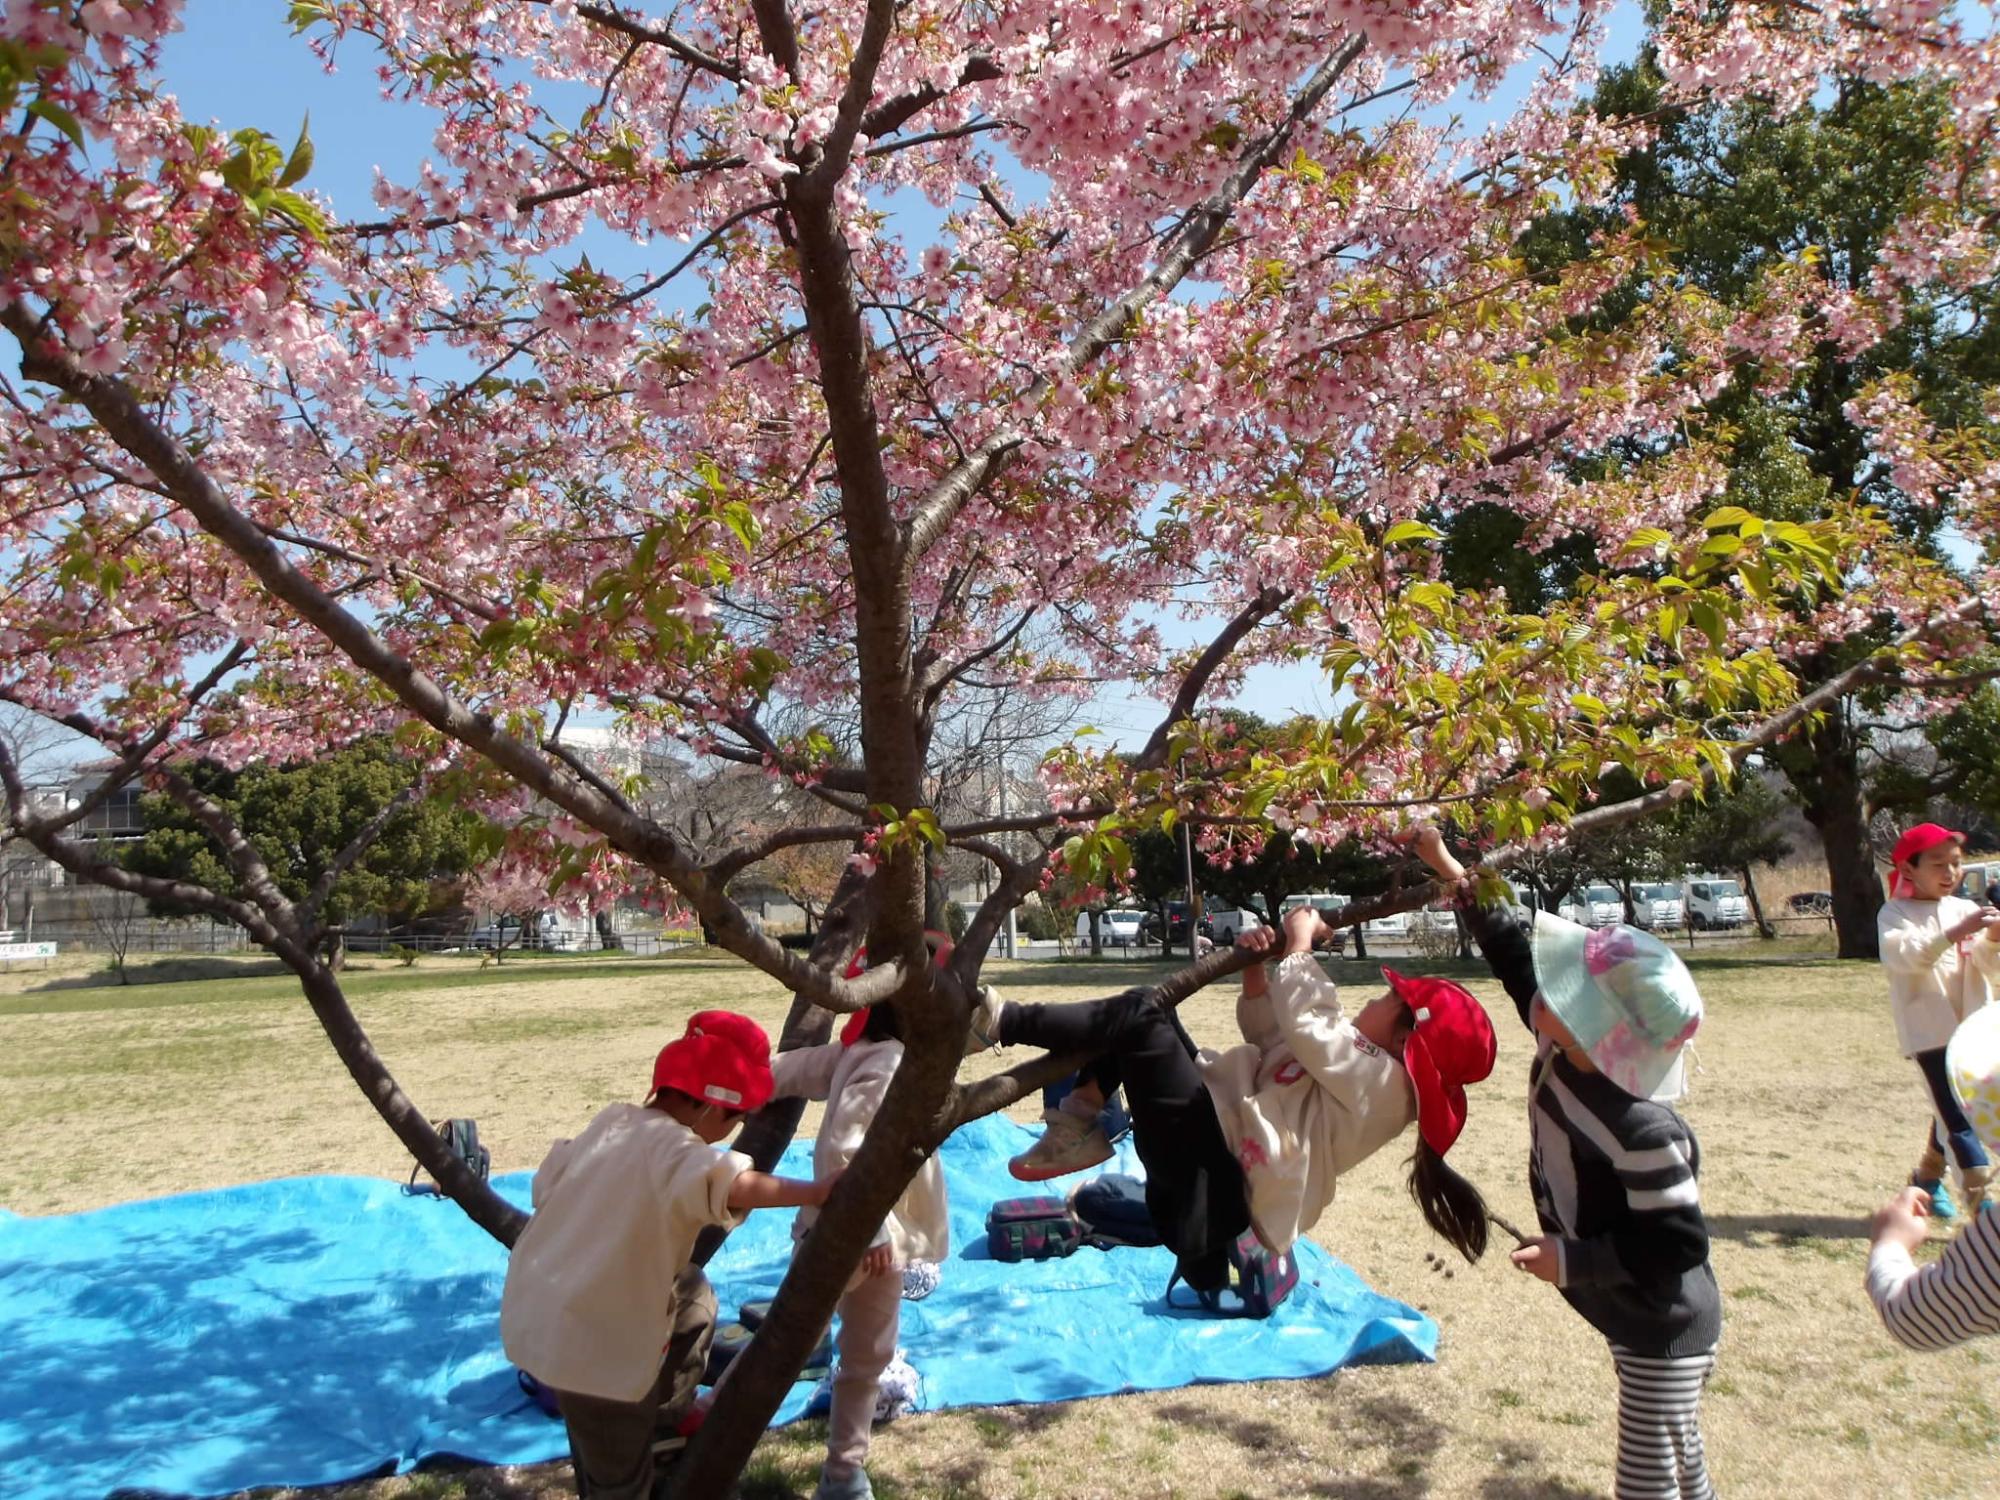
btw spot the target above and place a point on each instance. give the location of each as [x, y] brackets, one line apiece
[975, 346]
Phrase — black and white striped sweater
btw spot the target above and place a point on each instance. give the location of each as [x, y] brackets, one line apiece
[1614, 1179]
[1954, 1299]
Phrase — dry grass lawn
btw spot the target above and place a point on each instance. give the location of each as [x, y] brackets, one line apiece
[1807, 1118]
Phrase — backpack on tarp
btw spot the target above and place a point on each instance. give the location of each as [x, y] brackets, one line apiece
[1258, 1281]
[1031, 1229]
[461, 1139]
[1112, 1209]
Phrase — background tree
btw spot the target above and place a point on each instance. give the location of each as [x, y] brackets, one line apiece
[301, 817]
[1732, 190]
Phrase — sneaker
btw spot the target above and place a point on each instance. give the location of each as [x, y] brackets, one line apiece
[983, 1035]
[853, 1486]
[1069, 1144]
[1942, 1208]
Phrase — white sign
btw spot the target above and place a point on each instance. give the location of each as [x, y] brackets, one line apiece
[11, 951]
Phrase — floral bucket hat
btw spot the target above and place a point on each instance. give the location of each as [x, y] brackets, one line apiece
[1624, 994]
[1972, 1062]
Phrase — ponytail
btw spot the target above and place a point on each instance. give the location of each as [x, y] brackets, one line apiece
[1451, 1205]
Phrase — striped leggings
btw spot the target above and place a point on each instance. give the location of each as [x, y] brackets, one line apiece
[1659, 1426]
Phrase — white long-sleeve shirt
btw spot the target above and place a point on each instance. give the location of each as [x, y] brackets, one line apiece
[852, 1081]
[1304, 1102]
[589, 1300]
[1955, 1298]
[1935, 981]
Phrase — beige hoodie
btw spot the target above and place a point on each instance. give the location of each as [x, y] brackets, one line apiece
[589, 1300]
[853, 1080]
[1304, 1100]
[1934, 982]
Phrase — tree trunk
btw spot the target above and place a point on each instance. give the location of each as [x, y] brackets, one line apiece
[1825, 770]
[476, 1196]
[768, 1132]
[1764, 928]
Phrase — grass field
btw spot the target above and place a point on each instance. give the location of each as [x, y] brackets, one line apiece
[1807, 1118]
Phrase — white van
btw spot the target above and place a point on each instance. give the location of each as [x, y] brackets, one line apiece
[1713, 901]
[1974, 880]
[1657, 905]
[1323, 901]
[1118, 928]
[1227, 923]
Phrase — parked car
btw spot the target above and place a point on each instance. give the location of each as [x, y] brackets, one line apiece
[1813, 903]
[1658, 906]
[544, 931]
[1176, 925]
[1232, 920]
[1118, 928]
[1715, 902]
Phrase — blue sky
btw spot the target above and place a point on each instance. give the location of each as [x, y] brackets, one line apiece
[237, 64]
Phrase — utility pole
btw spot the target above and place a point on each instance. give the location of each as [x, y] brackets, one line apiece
[1000, 766]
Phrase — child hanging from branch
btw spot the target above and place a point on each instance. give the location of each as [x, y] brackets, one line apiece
[1256, 1137]
[1612, 1170]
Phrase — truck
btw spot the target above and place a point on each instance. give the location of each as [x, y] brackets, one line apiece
[1593, 906]
[1714, 901]
[1658, 906]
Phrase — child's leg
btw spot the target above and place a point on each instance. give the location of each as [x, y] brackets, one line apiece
[1659, 1426]
[1194, 1184]
[869, 1317]
[611, 1442]
[1956, 1129]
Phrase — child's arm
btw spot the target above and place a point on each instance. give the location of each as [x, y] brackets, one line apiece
[754, 1189]
[1255, 1019]
[804, 1072]
[1502, 935]
[1947, 1302]
[1913, 943]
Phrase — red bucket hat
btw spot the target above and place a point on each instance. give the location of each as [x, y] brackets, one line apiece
[723, 1059]
[1912, 844]
[1452, 1045]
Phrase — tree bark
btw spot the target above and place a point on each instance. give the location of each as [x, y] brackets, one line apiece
[1825, 770]
[1764, 928]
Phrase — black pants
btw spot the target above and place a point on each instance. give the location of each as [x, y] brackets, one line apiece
[1194, 1185]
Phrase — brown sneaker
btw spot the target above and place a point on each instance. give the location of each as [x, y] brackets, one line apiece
[1069, 1144]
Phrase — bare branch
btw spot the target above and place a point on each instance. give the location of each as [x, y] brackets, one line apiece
[1206, 665]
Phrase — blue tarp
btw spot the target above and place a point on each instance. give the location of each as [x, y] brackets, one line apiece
[316, 1329]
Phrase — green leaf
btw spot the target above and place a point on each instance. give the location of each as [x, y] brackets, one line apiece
[301, 159]
[1728, 515]
[301, 212]
[1409, 531]
[1646, 538]
[62, 119]
[1168, 819]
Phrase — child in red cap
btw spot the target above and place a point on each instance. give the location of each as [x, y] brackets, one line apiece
[1256, 1137]
[600, 1282]
[1942, 954]
[1612, 1169]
